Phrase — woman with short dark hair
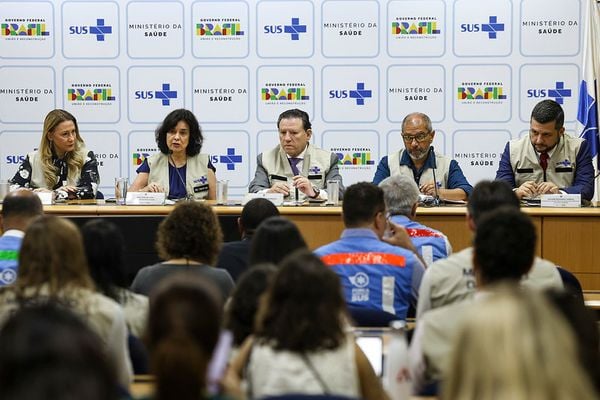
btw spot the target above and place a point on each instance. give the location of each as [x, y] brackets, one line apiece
[179, 169]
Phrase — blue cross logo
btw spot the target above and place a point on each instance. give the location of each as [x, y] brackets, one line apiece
[295, 29]
[559, 92]
[493, 27]
[203, 179]
[360, 94]
[230, 159]
[314, 170]
[100, 30]
[166, 94]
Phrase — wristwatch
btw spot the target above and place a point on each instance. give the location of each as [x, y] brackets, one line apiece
[317, 191]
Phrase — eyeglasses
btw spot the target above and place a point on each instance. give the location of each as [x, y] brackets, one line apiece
[419, 137]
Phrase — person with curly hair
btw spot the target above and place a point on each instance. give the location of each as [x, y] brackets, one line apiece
[188, 240]
[179, 169]
[61, 164]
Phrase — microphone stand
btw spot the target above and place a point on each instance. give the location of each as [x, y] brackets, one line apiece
[188, 196]
[436, 201]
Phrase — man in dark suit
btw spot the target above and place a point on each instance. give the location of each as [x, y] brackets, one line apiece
[234, 255]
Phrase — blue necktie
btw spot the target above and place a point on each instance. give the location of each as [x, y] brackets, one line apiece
[294, 164]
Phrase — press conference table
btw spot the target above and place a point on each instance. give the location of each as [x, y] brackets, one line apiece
[570, 237]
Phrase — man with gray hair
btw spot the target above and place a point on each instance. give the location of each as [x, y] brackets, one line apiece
[418, 161]
[401, 196]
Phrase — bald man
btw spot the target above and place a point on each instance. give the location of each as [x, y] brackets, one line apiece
[19, 208]
[418, 161]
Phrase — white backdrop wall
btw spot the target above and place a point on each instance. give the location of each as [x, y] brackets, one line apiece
[356, 66]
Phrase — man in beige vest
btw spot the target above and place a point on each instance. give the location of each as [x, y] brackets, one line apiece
[295, 166]
[452, 279]
[547, 161]
[504, 251]
[419, 161]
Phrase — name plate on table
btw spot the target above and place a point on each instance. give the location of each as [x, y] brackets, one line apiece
[560, 200]
[275, 198]
[145, 199]
[45, 197]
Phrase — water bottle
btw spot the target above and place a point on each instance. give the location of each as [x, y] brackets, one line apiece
[397, 374]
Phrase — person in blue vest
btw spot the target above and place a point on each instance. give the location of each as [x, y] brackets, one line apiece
[376, 272]
[19, 208]
[418, 161]
[547, 161]
[401, 196]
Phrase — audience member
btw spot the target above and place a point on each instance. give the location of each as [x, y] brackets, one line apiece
[513, 345]
[183, 330]
[547, 160]
[234, 256]
[19, 208]
[418, 161]
[104, 247]
[61, 164]
[452, 279]
[188, 240]
[582, 322]
[300, 345]
[52, 267]
[275, 238]
[242, 307]
[47, 352]
[376, 272]
[504, 250]
[401, 196]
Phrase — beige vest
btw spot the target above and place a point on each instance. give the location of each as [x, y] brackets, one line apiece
[102, 314]
[37, 173]
[314, 166]
[196, 176]
[441, 171]
[561, 166]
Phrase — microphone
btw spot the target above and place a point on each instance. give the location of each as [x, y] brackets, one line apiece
[435, 188]
[188, 196]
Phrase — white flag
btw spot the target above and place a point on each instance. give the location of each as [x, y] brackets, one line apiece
[588, 110]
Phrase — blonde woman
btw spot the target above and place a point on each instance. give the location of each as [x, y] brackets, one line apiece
[62, 163]
[514, 345]
[53, 267]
